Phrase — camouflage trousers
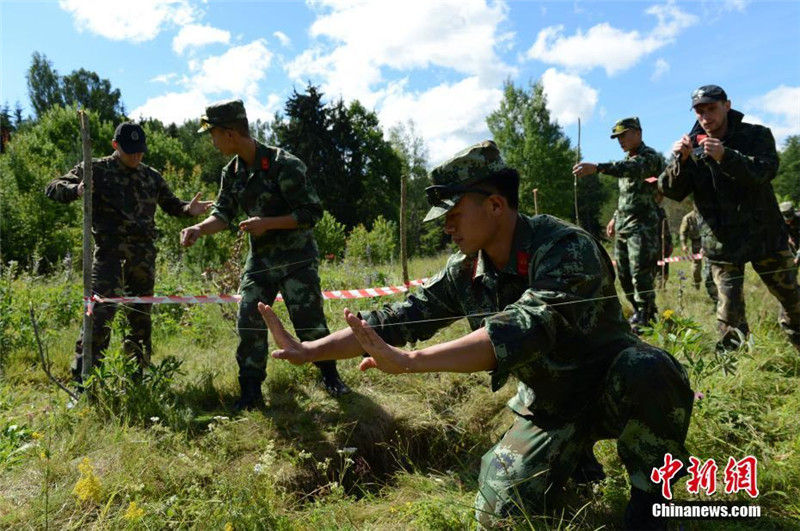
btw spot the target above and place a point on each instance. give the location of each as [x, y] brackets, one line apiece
[780, 276]
[701, 274]
[120, 269]
[645, 403]
[301, 293]
[635, 253]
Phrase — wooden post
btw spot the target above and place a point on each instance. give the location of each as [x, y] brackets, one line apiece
[403, 228]
[536, 201]
[663, 253]
[86, 365]
[575, 177]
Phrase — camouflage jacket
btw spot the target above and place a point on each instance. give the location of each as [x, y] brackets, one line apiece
[636, 206]
[277, 186]
[793, 228]
[123, 199]
[689, 231]
[738, 214]
[552, 315]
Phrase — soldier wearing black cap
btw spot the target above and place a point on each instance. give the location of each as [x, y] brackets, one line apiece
[635, 224]
[125, 194]
[728, 166]
[270, 186]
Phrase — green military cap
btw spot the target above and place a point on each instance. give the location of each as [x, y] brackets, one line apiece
[625, 124]
[787, 209]
[453, 178]
[222, 112]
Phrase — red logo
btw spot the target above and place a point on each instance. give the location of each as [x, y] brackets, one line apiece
[741, 475]
[523, 259]
[665, 474]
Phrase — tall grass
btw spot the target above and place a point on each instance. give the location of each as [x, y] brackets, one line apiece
[401, 451]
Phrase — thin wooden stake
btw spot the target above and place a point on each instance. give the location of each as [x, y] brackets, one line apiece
[88, 247]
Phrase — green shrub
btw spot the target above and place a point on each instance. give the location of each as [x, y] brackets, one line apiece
[374, 246]
[330, 236]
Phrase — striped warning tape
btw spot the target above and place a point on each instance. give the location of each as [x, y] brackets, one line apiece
[206, 299]
[680, 258]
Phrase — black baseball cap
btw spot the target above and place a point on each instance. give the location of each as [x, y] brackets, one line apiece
[708, 94]
[131, 137]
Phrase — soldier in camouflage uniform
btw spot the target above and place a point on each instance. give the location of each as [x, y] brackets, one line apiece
[635, 223]
[539, 295]
[792, 219]
[690, 243]
[728, 166]
[125, 194]
[270, 186]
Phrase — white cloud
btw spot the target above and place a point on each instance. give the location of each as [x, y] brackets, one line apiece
[234, 74]
[778, 109]
[173, 107]
[568, 96]
[608, 47]
[238, 70]
[449, 116]
[125, 20]
[358, 39]
[283, 38]
[660, 68]
[196, 35]
[165, 78]
[735, 5]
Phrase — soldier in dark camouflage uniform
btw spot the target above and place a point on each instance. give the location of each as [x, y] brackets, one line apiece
[270, 186]
[125, 194]
[635, 223]
[728, 166]
[539, 296]
[690, 243]
[792, 219]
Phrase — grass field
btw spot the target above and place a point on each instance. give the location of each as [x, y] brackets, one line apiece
[399, 452]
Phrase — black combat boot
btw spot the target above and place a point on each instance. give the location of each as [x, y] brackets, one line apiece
[251, 398]
[330, 379]
[639, 512]
[589, 469]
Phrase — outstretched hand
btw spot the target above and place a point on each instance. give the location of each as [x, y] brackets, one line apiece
[381, 355]
[197, 207]
[290, 349]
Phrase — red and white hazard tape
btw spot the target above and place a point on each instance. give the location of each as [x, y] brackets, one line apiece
[680, 258]
[205, 299]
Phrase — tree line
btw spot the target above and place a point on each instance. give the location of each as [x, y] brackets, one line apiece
[355, 164]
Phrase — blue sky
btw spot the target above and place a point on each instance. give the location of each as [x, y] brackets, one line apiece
[441, 64]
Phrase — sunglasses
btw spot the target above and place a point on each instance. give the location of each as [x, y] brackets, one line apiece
[438, 193]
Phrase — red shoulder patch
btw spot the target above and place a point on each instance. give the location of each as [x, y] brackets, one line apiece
[264, 163]
[523, 259]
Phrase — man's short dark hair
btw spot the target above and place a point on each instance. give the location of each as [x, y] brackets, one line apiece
[505, 183]
[241, 126]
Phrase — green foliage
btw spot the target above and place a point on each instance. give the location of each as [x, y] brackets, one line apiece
[373, 246]
[14, 440]
[81, 88]
[120, 390]
[354, 169]
[539, 150]
[787, 182]
[331, 236]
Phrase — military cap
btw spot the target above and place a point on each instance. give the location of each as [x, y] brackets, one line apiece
[222, 112]
[787, 209]
[453, 178]
[625, 124]
[708, 94]
[130, 137]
